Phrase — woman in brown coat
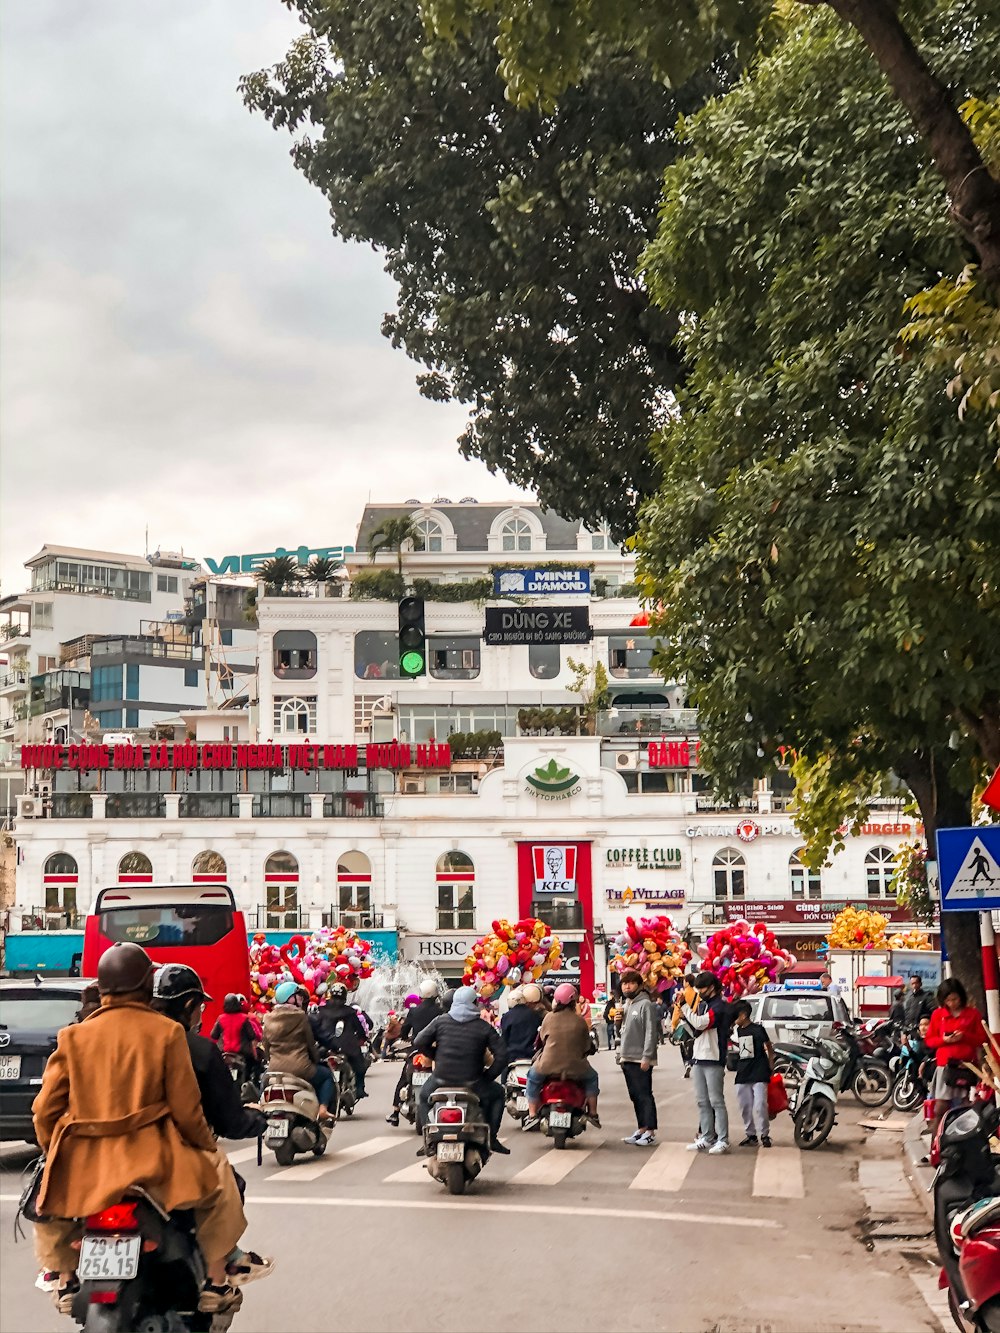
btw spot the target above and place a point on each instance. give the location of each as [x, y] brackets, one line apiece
[564, 1042]
[119, 1106]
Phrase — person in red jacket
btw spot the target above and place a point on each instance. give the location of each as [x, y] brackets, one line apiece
[234, 1033]
[955, 1035]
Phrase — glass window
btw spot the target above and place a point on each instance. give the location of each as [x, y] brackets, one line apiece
[630, 655]
[61, 863]
[295, 716]
[544, 660]
[208, 863]
[166, 927]
[110, 719]
[814, 1009]
[805, 883]
[729, 874]
[355, 897]
[431, 534]
[191, 676]
[44, 1012]
[376, 655]
[515, 535]
[226, 635]
[132, 681]
[281, 863]
[294, 655]
[131, 717]
[456, 908]
[880, 863]
[454, 658]
[601, 541]
[166, 583]
[42, 616]
[135, 863]
[106, 683]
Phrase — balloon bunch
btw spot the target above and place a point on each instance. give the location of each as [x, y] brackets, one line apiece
[511, 954]
[857, 928]
[328, 956]
[745, 957]
[910, 939]
[652, 947]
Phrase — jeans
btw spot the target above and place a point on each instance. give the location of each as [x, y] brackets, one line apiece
[611, 1035]
[490, 1095]
[357, 1063]
[752, 1098]
[322, 1082]
[639, 1083]
[536, 1081]
[404, 1078]
[709, 1089]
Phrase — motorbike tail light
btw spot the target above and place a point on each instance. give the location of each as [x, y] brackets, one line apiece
[450, 1115]
[279, 1095]
[103, 1298]
[421, 1062]
[119, 1217]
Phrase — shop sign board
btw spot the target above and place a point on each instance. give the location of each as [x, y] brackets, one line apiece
[530, 582]
[668, 898]
[555, 868]
[643, 858]
[806, 911]
[248, 564]
[437, 948]
[224, 755]
[507, 625]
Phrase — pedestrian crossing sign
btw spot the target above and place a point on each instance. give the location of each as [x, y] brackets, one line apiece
[969, 864]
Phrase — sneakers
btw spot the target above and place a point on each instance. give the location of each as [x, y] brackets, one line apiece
[501, 1148]
[248, 1268]
[393, 1118]
[214, 1300]
[751, 1141]
[530, 1122]
[647, 1140]
[47, 1280]
[766, 1141]
[718, 1147]
[633, 1138]
[65, 1296]
[595, 1120]
[700, 1144]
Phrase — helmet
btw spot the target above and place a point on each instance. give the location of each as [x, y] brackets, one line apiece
[285, 992]
[447, 998]
[531, 994]
[564, 993]
[515, 997]
[123, 968]
[233, 1004]
[337, 994]
[428, 989]
[411, 1001]
[175, 981]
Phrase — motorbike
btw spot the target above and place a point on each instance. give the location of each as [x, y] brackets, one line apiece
[968, 1239]
[420, 1071]
[140, 1268]
[456, 1138]
[909, 1090]
[562, 1114]
[867, 1077]
[826, 1073]
[515, 1090]
[291, 1108]
[345, 1092]
[237, 1066]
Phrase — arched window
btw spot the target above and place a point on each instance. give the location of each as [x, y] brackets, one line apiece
[601, 540]
[455, 892]
[60, 876]
[729, 873]
[515, 535]
[281, 891]
[804, 882]
[295, 716]
[354, 888]
[294, 654]
[430, 533]
[209, 868]
[544, 660]
[880, 863]
[135, 868]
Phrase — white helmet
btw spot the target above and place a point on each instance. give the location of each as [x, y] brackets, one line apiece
[531, 994]
[515, 997]
[428, 989]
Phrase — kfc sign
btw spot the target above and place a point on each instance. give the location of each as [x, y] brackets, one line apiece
[555, 868]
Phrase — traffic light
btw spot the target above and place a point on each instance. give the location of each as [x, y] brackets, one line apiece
[412, 638]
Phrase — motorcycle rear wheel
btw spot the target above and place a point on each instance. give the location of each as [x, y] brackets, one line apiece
[454, 1177]
[906, 1094]
[284, 1155]
[961, 1323]
[559, 1138]
[872, 1084]
[813, 1122]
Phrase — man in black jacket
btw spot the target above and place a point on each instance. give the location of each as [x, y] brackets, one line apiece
[458, 1042]
[349, 1040]
[422, 1014]
[917, 1004]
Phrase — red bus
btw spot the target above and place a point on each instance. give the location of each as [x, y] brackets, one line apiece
[196, 924]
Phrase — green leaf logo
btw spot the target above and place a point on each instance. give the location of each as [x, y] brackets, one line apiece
[551, 777]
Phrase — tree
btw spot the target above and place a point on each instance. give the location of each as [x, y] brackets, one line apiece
[280, 574]
[322, 570]
[513, 236]
[823, 544]
[392, 534]
[546, 46]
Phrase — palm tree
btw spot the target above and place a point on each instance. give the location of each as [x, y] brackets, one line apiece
[392, 534]
[280, 573]
[321, 570]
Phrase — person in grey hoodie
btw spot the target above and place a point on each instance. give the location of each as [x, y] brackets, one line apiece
[640, 1035]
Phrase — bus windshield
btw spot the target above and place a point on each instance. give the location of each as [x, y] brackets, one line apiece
[191, 925]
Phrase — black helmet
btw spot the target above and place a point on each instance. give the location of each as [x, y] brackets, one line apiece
[447, 998]
[123, 968]
[337, 994]
[176, 981]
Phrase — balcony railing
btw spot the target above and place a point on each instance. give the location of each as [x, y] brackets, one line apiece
[52, 918]
[14, 678]
[361, 804]
[351, 919]
[282, 805]
[564, 916]
[633, 722]
[70, 805]
[209, 805]
[93, 590]
[135, 805]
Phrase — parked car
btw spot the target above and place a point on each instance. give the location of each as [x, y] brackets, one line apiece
[787, 1016]
[31, 1014]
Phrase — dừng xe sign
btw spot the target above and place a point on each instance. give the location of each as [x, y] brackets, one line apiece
[506, 625]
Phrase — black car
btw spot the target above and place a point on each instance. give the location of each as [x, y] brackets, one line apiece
[31, 1015]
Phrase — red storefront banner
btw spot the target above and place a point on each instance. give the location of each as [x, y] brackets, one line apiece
[673, 754]
[808, 911]
[305, 755]
[578, 853]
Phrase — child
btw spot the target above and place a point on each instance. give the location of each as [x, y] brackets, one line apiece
[753, 1073]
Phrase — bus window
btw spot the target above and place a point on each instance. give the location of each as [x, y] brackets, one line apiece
[190, 925]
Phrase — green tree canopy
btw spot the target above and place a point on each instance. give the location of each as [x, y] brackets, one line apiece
[513, 237]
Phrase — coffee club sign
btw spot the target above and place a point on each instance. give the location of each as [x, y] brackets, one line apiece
[643, 858]
[189, 756]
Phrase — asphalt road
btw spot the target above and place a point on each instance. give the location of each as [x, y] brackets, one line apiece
[601, 1236]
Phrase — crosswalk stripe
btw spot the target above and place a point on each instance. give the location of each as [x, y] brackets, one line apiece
[666, 1169]
[552, 1166]
[778, 1174]
[321, 1166]
[242, 1155]
[410, 1175]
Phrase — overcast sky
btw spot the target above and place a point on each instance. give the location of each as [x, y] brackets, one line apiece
[185, 345]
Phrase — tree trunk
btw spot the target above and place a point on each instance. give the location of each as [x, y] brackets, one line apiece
[974, 192]
[947, 803]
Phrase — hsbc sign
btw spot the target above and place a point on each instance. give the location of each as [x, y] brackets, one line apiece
[554, 868]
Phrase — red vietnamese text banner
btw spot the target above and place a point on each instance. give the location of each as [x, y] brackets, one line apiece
[224, 755]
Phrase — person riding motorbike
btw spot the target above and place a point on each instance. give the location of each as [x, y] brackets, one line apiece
[235, 1034]
[458, 1042]
[290, 1046]
[178, 994]
[352, 1036]
[423, 1013]
[119, 1106]
[565, 1044]
[409, 1004]
[519, 1025]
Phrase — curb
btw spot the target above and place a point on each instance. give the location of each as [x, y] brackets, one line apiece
[918, 1172]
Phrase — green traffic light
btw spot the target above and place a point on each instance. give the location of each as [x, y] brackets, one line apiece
[412, 664]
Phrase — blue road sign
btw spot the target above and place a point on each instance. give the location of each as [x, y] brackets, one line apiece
[969, 865]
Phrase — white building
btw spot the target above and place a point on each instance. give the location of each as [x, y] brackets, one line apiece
[348, 807]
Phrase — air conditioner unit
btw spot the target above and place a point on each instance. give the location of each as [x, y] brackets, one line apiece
[412, 785]
[28, 807]
[626, 759]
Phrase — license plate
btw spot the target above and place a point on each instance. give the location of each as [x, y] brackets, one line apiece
[109, 1258]
[521, 1104]
[420, 1079]
[560, 1119]
[277, 1129]
[451, 1152]
[10, 1066]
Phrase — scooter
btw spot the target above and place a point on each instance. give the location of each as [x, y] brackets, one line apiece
[237, 1066]
[291, 1108]
[909, 1090]
[562, 1114]
[515, 1090]
[345, 1091]
[975, 1235]
[420, 1072]
[456, 1138]
[825, 1074]
[140, 1267]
